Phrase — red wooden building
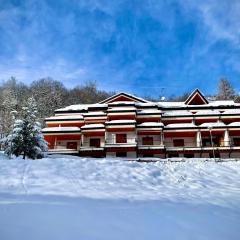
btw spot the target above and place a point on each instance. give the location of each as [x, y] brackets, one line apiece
[127, 126]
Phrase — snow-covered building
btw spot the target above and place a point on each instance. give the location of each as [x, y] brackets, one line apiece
[128, 126]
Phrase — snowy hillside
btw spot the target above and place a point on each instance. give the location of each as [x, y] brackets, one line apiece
[115, 199]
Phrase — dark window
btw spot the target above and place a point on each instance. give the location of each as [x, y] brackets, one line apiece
[121, 154]
[189, 155]
[236, 141]
[95, 142]
[71, 145]
[147, 140]
[206, 142]
[121, 138]
[172, 155]
[148, 155]
[217, 155]
[178, 142]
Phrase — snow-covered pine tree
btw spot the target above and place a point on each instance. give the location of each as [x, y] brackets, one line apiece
[26, 137]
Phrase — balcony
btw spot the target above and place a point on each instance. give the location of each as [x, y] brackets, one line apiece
[150, 142]
[121, 140]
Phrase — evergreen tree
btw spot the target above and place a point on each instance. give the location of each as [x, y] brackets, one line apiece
[225, 90]
[26, 137]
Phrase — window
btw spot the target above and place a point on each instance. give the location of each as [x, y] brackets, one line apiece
[236, 141]
[206, 142]
[172, 155]
[217, 155]
[189, 155]
[147, 155]
[178, 142]
[121, 138]
[121, 154]
[72, 145]
[95, 142]
[147, 140]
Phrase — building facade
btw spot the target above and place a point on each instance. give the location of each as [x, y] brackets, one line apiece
[127, 126]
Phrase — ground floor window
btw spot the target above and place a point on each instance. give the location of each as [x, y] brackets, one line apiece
[148, 155]
[189, 155]
[72, 145]
[121, 154]
[172, 155]
[217, 155]
[95, 142]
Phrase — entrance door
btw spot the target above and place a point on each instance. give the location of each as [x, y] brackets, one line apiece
[72, 145]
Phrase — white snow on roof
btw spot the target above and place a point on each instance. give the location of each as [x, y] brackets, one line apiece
[121, 102]
[232, 111]
[65, 117]
[222, 103]
[171, 104]
[121, 121]
[149, 104]
[120, 108]
[207, 112]
[94, 113]
[97, 125]
[61, 129]
[150, 111]
[177, 113]
[151, 124]
[235, 124]
[79, 107]
[181, 125]
[213, 124]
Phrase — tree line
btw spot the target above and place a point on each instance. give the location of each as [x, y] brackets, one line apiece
[51, 94]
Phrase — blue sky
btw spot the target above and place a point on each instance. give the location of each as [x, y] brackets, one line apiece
[144, 47]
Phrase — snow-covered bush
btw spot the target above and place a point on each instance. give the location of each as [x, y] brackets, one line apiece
[26, 137]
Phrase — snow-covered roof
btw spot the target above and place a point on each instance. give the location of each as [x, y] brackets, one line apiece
[79, 107]
[181, 125]
[97, 125]
[61, 129]
[65, 117]
[149, 111]
[232, 111]
[94, 113]
[222, 103]
[178, 113]
[121, 122]
[207, 112]
[129, 108]
[213, 124]
[125, 95]
[151, 124]
[171, 104]
[121, 103]
[234, 124]
[148, 104]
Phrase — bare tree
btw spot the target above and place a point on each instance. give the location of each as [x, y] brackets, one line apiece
[225, 90]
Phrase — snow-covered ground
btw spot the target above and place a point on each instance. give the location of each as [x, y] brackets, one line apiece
[80, 198]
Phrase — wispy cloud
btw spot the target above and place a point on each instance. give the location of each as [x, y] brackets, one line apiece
[123, 45]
